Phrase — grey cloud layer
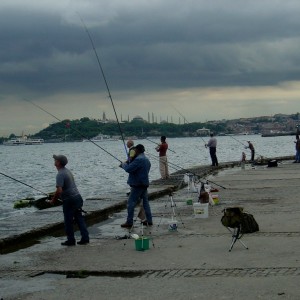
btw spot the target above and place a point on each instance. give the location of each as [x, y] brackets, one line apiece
[159, 45]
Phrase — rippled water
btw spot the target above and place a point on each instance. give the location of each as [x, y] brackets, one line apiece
[98, 173]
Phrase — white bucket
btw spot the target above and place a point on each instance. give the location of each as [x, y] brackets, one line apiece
[201, 210]
[172, 225]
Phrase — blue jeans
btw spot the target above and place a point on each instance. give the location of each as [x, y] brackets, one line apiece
[297, 156]
[137, 193]
[72, 211]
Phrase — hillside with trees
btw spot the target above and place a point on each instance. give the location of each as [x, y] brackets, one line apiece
[85, 128]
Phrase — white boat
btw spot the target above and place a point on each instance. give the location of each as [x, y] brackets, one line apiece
[15, 142]
[20, 141]
[100, 138]
[34, 141]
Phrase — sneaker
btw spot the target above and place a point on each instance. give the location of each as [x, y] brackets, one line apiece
[68, 243]
[126, 225]
[83, 242]
[145, 223]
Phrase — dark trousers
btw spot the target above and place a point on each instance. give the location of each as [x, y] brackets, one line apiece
[214, 159]
[252, 155]
[72, 211]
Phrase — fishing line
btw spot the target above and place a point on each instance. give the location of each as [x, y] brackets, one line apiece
[245, 146]
[185, 120]
[238, 140]
[158, 144]
[24, 183]
[103, 75]
[74, 129]
[177, 168]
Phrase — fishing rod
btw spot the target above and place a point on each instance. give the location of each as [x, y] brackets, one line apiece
[245, 146]
[238, 141]
[158, 144]
[106, 84]
[74, 129]
[177, 168]
[24, 184]
[185, 120]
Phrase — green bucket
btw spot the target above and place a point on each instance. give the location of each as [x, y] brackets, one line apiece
[189, 201]
[142, 244]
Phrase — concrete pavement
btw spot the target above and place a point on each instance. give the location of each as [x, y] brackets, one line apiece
[190, 263]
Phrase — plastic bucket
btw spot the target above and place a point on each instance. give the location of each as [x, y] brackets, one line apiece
[200, 210]
[215, 199]
[172, 225]
[189, 201]
[142, 244]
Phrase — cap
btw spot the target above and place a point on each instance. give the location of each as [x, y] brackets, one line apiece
[140, 148]
[61, 158]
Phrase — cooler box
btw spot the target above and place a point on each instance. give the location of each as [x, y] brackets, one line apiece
[200, 210]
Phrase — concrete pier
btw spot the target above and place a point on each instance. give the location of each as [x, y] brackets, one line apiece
[192, 262]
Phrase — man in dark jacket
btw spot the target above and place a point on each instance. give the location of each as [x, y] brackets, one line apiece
[138, 181]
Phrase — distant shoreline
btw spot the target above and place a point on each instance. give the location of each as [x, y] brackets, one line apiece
[278, 134]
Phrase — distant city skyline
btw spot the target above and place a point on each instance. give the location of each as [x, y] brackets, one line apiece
[210, 60]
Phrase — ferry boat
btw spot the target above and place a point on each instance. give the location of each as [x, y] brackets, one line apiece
[14, 142]
[100, 138]
[34, 141]
[20, 141]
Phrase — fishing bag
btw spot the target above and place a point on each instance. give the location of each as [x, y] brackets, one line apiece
[203, 197]
[234, 217]
[248, 223]
[272, 163]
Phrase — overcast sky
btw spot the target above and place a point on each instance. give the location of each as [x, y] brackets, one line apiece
[208, 59]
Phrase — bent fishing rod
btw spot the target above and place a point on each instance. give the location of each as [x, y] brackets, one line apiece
[185, 120]
[106, 84]
[24, 184]
[158, 144]
[177, 168]
[74, 129]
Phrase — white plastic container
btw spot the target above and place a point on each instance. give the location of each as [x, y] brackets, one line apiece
[200, 210]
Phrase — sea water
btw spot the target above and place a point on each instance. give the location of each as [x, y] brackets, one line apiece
[98, 173]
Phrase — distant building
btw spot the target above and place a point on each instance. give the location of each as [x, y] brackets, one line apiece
[138, 118]
[203, 132]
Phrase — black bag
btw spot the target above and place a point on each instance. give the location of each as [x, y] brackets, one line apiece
[272, 163]
[232, 217]
[248, 223]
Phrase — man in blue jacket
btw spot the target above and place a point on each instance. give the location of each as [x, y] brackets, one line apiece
[138, 180]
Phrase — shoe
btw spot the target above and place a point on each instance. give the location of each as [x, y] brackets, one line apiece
[145, 223]
[68, 243]
[83, 242]
[126, 225]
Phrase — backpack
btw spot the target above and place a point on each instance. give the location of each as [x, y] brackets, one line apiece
[248, 223]
[234, 217]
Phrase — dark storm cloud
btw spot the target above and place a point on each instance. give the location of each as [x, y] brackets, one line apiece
[193, 43]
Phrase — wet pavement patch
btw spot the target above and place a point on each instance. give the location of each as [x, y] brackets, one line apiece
[85, 274]
[18, 246]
